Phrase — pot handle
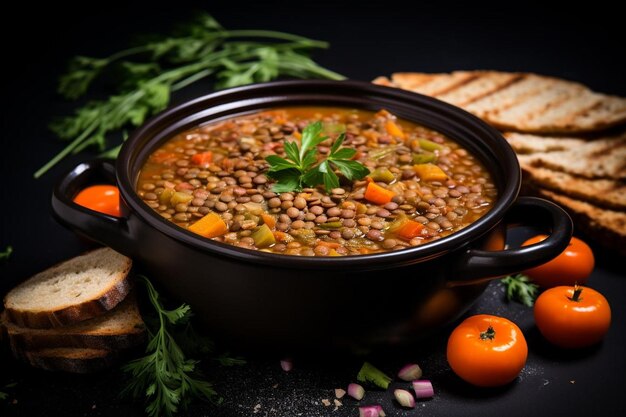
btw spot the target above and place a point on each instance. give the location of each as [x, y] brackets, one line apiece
[478, 265]
[106, 229]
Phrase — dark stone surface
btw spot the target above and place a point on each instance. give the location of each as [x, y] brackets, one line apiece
[367, 39]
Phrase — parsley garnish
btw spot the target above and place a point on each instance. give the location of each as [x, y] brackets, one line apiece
[519, 288]
[7, 252]
[300, 166]
[152, 71]
[165, 376]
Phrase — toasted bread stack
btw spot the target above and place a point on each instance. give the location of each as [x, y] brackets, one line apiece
[558, 130]
[76, 316]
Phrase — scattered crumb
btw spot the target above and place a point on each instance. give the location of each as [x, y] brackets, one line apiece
[14, 401]
[326, 402]
[275, 386]
[93, 407]
[257, 408]
[339, 393]
[337, 403]
[572, 381]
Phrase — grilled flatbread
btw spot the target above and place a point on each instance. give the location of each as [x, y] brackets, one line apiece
[523, 143]
[519, 101]
[602, 158]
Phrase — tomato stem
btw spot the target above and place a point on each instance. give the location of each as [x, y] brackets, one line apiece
[576, 296]
[489, 334]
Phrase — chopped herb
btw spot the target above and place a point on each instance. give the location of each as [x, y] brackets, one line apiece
[4, 395]
[519, 288]
[7, 252]
[165, 377]
[369, 373]
[153, 71]
[300, 167]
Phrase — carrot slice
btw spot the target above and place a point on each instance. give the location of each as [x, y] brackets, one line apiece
[430, 172]
[377, 194]
[202, 158]
[269, 220]
[209, 226]
[332, 245]
[410, 229]
[393, 129]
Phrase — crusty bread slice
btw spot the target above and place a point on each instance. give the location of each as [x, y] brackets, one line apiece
[523, 143]
[120, 328]
[74, 360]
[78, 289]
[607, 227]
[601, 158]
[604, 193]
[518, 101]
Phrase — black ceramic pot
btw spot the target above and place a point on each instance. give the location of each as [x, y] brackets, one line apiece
[259, 299]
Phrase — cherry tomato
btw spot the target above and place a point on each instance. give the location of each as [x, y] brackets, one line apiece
[102, 198]
[572, 317]
[487, 351]
[572, 266]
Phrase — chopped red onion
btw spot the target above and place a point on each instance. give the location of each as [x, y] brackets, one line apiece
[286, 364]
[410, 372]
[405, 398]
[423, 389]
[356, 391]
[371, 411]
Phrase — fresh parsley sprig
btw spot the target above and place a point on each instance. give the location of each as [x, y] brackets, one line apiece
[300, 166]
[165, 377]
[151, 72]
[520, 288]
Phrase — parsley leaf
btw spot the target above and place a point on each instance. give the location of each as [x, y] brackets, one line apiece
[152, 71]
[519, 288]
[165, 376]
[7, 252]
[299, 169]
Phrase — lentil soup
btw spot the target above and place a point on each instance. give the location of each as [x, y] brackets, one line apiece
[213, 180]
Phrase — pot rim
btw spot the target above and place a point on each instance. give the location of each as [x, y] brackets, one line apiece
[459, 239]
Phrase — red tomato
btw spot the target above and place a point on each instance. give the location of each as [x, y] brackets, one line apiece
[487, 351]
[572, 317]
[102, 198]
[572, 266]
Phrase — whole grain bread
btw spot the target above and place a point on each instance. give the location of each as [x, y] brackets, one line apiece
[74, 360]
[519, 101]
[73, 291]
[120, 328]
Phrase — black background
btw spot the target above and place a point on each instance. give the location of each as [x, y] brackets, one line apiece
[367, 39]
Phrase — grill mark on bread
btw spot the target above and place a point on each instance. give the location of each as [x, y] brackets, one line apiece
[484, 84]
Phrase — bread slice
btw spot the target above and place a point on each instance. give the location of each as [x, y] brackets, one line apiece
[601, 158]
[519, 101]
[607, 227]
[120, 328]
[74, 360]
[523, 143]
[73, 291]
[604, 193]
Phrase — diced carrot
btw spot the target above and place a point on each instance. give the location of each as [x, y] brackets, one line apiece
[211, 225]
[269, 220]
[333, 252]
[202, 158]
[393, 129]
[332, 245]
[410, 229]
[280, 236]
[430, 172]
[377, 194]
[297, 134]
